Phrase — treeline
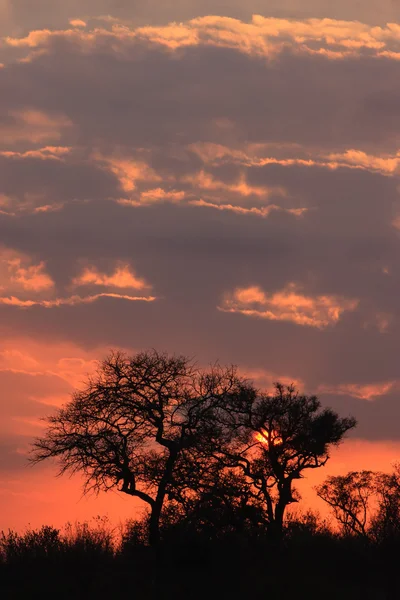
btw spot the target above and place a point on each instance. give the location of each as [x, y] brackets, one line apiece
[199, 560]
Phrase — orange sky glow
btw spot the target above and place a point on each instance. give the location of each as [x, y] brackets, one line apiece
[210, 180]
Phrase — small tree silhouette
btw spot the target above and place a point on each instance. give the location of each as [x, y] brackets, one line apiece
[365, 503]
[350, 497]
[385, 523]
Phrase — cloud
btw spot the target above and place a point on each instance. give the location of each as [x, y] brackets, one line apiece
[387, 165]
[21, 277]
[288, 304]
[18, 274]
[46, 153]
[265, 380]
[66, 361]
[33, 180]
[128, 172]
[77, 23]
[263, 211]
[261, 36]
[159, 195]
[205, 181]
[29, 278]
[122, 277]
[15, 359]
[71, 300]
[369, 391]
[32, 125]
[259, 155]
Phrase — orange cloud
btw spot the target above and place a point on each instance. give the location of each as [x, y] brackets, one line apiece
[265, 379]
[71, 300]
[154, 196]
[387, 164]
[46, 153]
[20, 278]
[262, 36]
[127, 171]
[32, 40]
[161, 195]
[367, 391]
[30, 278]
[263, 211]
[289, 304]
[121, 278]
[253, 155]
[13, 358]
[12, 206]
[206, 181]
[49, 207]
[77, 23]
[265, 36]
[35, 126]
[18, 274]
[63, 359]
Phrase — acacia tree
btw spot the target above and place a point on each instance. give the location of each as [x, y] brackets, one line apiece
[365, 503]
[385, 523]
[350, 497]
[134, 420]
[273, 439]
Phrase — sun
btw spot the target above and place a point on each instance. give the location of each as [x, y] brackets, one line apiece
[265, 437]
[262, 436]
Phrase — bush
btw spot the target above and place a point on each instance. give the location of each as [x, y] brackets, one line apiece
[44, 543]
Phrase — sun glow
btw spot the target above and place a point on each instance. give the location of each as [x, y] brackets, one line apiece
[268, 438]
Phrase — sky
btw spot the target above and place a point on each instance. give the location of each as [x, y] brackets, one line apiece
[210, 178]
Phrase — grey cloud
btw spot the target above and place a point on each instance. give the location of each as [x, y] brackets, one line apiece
[378, 419]
[13, 457]
[149, 97]
[40, 182]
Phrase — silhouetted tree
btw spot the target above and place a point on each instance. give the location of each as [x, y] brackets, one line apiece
[273, 439]
[350, 498]
[134, 421]
[385, 523]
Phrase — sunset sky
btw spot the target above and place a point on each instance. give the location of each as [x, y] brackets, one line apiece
[207, 177]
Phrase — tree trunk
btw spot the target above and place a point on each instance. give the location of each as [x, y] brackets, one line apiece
[156, 509]
[279, 513]
[278, 520]
[154, 524]
[285, 498]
